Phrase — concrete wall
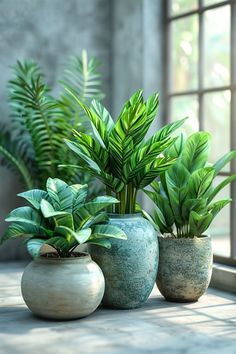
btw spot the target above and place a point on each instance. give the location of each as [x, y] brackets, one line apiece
[126, 35]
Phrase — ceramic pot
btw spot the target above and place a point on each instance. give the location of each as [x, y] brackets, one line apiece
[63, 288]
[185, 267]
[130, 266]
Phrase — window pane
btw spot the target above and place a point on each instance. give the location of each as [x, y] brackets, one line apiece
[184, 54]
[217, 47]
[185, 106]
[216, 108]
[211, 2]
[220, 227]
[181, 6]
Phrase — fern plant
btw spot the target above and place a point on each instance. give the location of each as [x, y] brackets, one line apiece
[34, 147]
[118, 153]
[184, 197]
[61, 217]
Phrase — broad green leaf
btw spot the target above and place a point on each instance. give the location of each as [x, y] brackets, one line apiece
[34, 246]
[99, 218]
[60, 244]
[198, 205]
[100, 242]
[34, 197]
[200, 181]
[199, 223]
[60, 217]
[177, 175]
[99, 203]
[26, 215]
[60, 194]
[16, 230]
[82, 236]
[71, 236]
[196, 150]
[80, 193]
[107, 231]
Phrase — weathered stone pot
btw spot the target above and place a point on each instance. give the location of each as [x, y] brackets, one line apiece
[130, 266]
[63, 288]
[185, 267]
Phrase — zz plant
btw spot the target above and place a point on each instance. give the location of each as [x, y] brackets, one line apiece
[62, 218]
[118, 153]
[33, 145]
[184, 197]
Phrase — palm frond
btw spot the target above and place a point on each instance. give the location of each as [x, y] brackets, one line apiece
[81, 76]
[12, 157]
[43, 121]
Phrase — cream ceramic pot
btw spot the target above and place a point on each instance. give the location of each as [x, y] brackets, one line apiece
[62, 288]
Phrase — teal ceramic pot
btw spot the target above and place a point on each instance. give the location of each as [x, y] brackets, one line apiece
[185, 267]
[130, 266]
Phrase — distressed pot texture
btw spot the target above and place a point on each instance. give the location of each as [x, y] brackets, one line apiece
[130, 266]
[62, 288]
[185, 267]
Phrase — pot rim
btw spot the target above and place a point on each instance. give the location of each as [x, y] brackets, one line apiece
[124, 216]
[202, 237]
[84, 259]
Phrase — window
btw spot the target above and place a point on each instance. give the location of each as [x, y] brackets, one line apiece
[201, 84]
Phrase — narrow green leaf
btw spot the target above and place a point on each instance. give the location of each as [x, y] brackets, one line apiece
[224, 160]
[221, 185]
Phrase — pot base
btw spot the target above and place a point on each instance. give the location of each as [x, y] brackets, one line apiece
[184, 301]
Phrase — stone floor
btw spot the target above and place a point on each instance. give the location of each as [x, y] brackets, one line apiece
[206, 327]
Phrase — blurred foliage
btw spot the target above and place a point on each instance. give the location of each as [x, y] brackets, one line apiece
[34, 145]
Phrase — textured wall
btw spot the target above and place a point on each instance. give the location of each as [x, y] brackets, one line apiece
[49, 31]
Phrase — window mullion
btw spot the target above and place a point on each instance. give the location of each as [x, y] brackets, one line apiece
[233, 128]
[200, 66]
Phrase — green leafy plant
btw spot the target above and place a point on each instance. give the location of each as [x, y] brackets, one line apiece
[184, 197]
[118, 154]
[34, 143]
[61, 217]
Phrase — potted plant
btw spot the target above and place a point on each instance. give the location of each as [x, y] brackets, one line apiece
[125, 162]
[62, 284]
[185, 206]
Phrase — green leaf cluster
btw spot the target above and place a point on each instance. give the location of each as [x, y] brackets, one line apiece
[118, 154]
[184, 195]
[34, 143]
[62, 218]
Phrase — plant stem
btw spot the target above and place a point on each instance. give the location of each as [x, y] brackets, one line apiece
[108, 192]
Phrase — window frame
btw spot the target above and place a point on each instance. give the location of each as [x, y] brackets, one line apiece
[200, 91]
